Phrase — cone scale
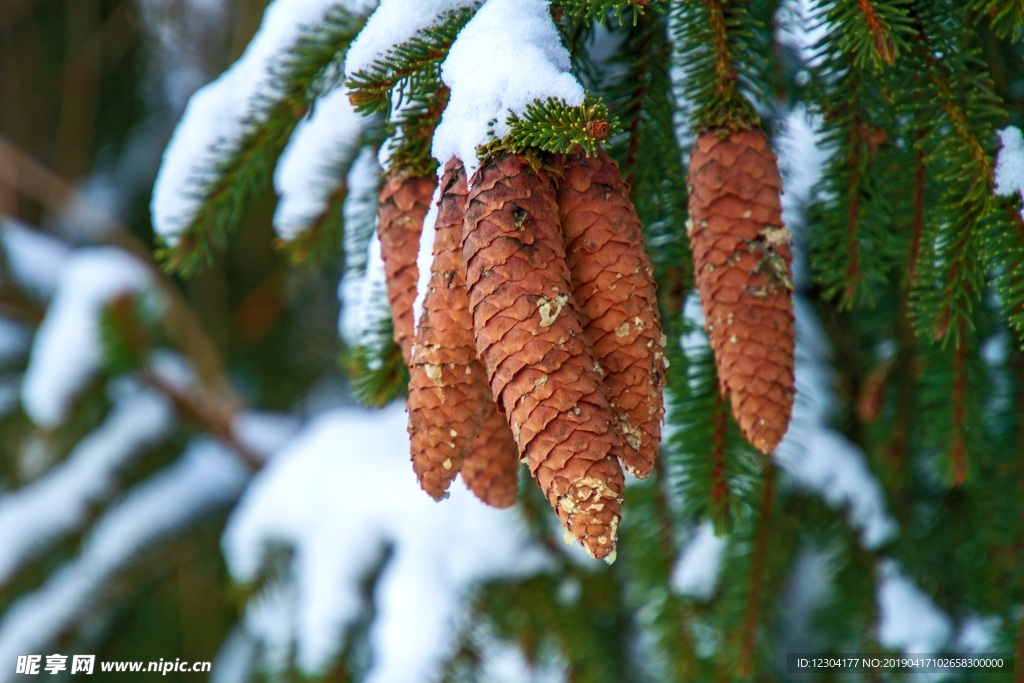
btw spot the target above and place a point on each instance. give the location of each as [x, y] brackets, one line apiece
[743, 269]
[529, 336]
[614, 287]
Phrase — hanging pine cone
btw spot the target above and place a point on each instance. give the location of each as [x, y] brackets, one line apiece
[448, 390]
[529, 336]
[742, 261]
[404, 201]
[491, 470]
[616, 294]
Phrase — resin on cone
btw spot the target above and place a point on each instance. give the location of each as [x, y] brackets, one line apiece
[529, 336]
[491, 470]
[742, 263]
[448, 390]
[614, 288]
[404, 201]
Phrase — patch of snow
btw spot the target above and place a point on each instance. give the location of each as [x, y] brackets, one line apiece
[33, 258]
[204, 479]
[801, 160]
[507, 56]
[394, 22]
[360, 207]
[908, 620]
[503, 663]
[820, 459]
[362, 291]
[304, 177]
[264, 432]
[34, 517]
[216, 112]
[978, 634]
[364, 299]
[425, 256]
[308, 497]
[696, 572]
[66, 352]
[234, 660]
[1009, 173]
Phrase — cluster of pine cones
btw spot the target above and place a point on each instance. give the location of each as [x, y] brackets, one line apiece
[539, 337]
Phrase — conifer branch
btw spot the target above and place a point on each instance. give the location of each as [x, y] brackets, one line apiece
[375, 366]
[373, 88]
[240, 167]
[716, 43]
[854, 240]
[958, 237]
[757, 577]
[714, 470]
[1005, 16]
[873, 32]
[555, 126]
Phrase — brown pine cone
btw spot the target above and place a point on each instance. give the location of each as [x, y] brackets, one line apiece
[404, 201]
[742, 261]
[491, 470]
[529, 336]
[616, 294]
[448, 390]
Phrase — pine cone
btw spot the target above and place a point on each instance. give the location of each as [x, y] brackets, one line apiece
[742, 261]
[529, 336]
[448, 390]
[616, 294]
[404, 201]
[491, 470]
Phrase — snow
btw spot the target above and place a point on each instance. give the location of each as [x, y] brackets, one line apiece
[696, 572]
[66, 352]
[394, 23]
[820, 459]
[216, 113]
[362, 292]
[206, 477]
[33, 259]
[363, 299]
[305, 177]
[34, 517]
[234, 660]
[360, 207]
[1009, 174]
[506, 57]
[339, 493]
[978, 634]
[801, 160]
[908, 620]
[425, 256]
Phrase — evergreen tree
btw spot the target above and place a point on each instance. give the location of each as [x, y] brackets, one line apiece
[830, 194]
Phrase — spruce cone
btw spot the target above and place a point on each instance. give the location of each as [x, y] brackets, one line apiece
[448, 390]
[741, 253]
[491, 470]
[529, 336]
[616, 295]
[404, 201]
